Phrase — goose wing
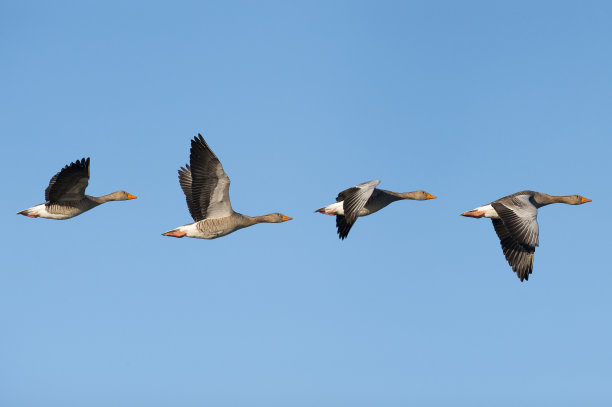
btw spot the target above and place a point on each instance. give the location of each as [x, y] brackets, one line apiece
[70, 183]
[205, 183]
[518, 231]
[354, 199]
[343, 226]
[519, 215]
[185, 182]
[519, 256]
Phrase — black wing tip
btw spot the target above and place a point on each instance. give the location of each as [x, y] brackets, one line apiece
[342, 233]
[343, 227]
[198, 140]
[523, 272]
[522, 275]
[82, 163]
[519, 267]
[199, 146]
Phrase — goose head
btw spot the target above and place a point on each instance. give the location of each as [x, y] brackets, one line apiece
[577, 200]
[277, 218]
[121, 196]
[423, 195]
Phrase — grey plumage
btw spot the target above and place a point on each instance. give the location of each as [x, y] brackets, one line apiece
[206, 188]
[65, 195]
[518, 230]
[514, 219]
[362, 200]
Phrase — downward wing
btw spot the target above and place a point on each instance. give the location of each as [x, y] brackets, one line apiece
[519, 256]
[69, 184]
[354, 199]
[343, 227]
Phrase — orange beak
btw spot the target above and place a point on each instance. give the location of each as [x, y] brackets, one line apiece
[174, 233]
[286, 218]
[430, 196]
[130, 196]
[473, 214]
[585, 200]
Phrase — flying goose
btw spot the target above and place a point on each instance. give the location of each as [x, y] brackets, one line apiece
[515, 221]
[65, 196]
[362, 200]
[206, 189]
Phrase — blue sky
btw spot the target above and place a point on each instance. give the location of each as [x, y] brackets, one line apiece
[470, 101]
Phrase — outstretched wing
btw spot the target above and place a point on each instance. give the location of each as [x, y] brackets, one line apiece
[518, 255]
[69, 184]
[354, 199]
[205, 184]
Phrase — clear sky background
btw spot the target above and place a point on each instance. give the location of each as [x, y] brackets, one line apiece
[470, 101]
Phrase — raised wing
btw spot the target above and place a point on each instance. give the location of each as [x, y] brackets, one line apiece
[205, 184]
[185, 182]
[69, 184]
[519, 215]
[519, 256]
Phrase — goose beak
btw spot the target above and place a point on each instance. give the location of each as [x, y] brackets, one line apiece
[130, 196]
[585, 200]
[286, 218]
[174, 233]
[430, 196]
[473, 214]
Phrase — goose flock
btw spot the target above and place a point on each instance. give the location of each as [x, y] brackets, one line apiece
[206, 188]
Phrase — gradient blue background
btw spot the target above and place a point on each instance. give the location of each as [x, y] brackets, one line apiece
[468, 100]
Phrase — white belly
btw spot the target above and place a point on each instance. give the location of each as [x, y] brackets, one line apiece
[208, 229]
[40, 211]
